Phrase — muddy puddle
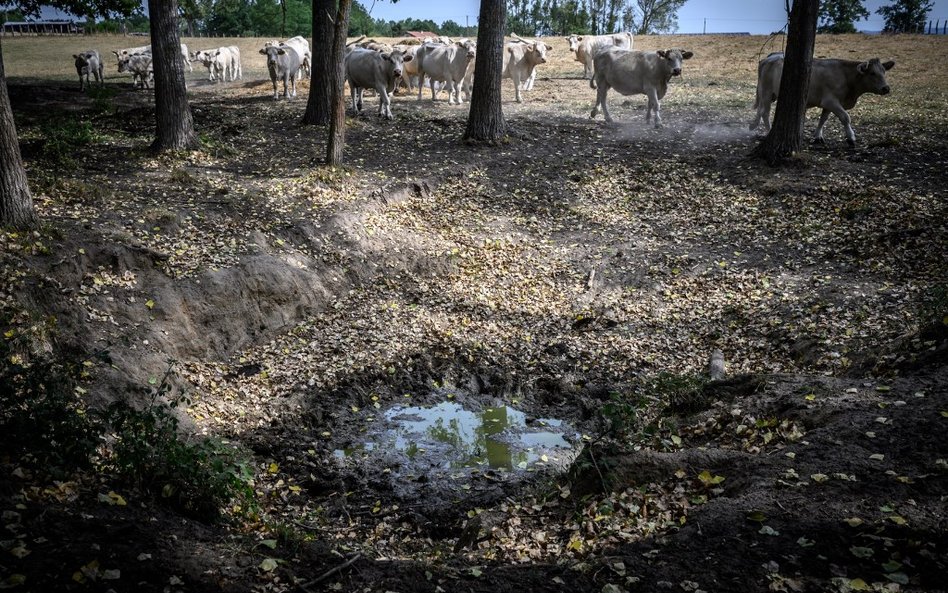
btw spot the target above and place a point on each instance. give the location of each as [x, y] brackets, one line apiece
[450, 447]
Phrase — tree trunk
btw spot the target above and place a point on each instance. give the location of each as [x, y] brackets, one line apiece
[319, 104]
[175, 124]
[337, 124]
[786, 136]
[16, 202]
[485, 121]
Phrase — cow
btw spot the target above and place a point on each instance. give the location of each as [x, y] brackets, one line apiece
[146, 49]
[220, 62]
[89, 62]
[586, 47]
[636, 73]
[366, 68]
[283, 63]
[410, 68]
[140, 66]
[520, 61]
[835, 86]
[301, 46]
[445, 63]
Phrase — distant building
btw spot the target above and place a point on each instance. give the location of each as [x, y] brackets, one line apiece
[42, 28]
[420, 34]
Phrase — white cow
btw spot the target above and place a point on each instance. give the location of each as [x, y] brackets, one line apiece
[520, 61]
[221, 62]
[366, 68]
[586, 47]
[146, 49]
[835, 86]
[445, 63]
[140, 65]
[301, 46]
[89, 62]
[636, 73]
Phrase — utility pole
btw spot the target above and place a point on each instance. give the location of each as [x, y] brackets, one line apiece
[704, 31]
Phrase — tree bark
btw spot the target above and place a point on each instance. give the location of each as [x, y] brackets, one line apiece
[174, 122]
[337, 124]
[319, 104]
[16, 202]
[786, 135]
[485, 121]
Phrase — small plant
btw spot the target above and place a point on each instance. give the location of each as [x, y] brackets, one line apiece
[102, 98]
[62, 136]
[199, 478]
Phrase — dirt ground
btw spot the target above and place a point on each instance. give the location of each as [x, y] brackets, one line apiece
[575, 266]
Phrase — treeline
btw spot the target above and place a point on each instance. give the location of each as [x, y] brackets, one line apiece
[271, 18]
[596, 17]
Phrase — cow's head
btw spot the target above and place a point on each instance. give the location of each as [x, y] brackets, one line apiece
[273, 52]
[574, 41]
[674, 58]
[396, 58]
[538, 50]
[872, 76]
[469, 46]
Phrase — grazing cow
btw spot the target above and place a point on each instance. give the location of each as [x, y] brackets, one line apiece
[301, 46]
[520, 62]
[835, 86]
[283, 63]
[89, 62]
[140, 66]
[636, 73]
[366, 68]
[586, 47]
[220, 62]
[445, 63]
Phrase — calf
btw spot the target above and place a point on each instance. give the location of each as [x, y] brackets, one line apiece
[520, 62]
[587, 47]
[283, 63]
[366, 68]
[445, 63]
[636, 73]
[89, 62]
[140, 66]
[220, 62]
[835, 86]
[146, 49]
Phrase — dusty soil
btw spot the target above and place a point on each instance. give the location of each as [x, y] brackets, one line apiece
[575, 265]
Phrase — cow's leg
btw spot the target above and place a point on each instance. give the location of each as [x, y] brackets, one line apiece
[654, 105]
[847, 123]
[515, 76]
[818, 137]
[385, 104]
[456, 90]
[276, 91]
[433, 99]
[293, 85]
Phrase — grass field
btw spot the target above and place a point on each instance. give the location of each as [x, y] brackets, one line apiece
[918, 79]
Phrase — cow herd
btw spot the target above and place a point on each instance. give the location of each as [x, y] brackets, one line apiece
[609, 62]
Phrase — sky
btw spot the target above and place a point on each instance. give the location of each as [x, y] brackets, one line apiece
[724, 16]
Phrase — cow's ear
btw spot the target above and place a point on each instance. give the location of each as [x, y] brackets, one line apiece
[662, 53]
[580, 38]
[281, 51]
[863, 67]
[75, 56]
[263, 51]
[386, 57]
[407, 58]
[889, 65]
[115, 52]
[687, 55]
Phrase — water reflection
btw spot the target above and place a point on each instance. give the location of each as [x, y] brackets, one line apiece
[454, 437]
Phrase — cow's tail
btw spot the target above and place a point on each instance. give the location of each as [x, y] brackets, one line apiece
[592, 81]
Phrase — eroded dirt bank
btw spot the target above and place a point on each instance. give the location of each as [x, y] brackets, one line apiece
[573, 268]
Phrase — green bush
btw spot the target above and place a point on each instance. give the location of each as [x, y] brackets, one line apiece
[199, 478]
[61, 138]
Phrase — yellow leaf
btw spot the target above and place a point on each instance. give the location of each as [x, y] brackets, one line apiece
[897, 520]
[810, 397]
[274, 468]
[14, 580]
[149, 303]
[268, 565]
[9, 334]
[819, 477]
[853, 521]
[117, 499]
[858, 585]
